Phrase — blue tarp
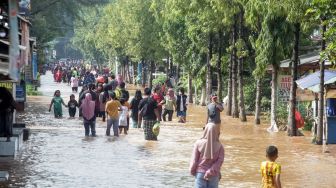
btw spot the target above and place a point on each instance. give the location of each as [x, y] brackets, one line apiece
[313, 80]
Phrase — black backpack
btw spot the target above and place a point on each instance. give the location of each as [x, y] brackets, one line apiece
[143, 110]
[125, 94]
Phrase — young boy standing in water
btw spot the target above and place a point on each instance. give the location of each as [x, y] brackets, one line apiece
[72, 104]
[270, 170]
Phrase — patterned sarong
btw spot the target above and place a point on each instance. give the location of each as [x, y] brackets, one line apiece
[148, 129]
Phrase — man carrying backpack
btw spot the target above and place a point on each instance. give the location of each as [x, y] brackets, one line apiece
[121, 92]
[214, 110]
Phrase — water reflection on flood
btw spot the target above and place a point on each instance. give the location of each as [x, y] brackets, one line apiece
[58, 155]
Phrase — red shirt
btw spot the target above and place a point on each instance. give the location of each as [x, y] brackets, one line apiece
[158, 98]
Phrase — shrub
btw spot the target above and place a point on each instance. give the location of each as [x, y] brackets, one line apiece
[159, 80]
[282, 114]
[32, 91]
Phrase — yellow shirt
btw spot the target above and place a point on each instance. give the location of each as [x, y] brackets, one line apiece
[112, 108]
[268, 171]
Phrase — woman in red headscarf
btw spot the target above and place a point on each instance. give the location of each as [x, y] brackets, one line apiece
[58, 76]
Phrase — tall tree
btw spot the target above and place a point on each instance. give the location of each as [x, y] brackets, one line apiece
[241, 54]
[235, 108]
[323, 11]
[296, 13]
[272, 46]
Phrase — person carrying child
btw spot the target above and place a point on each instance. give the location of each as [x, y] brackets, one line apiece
[57, 101]
[123, 116]
[207, 158]
[270, 170]
[72, 105]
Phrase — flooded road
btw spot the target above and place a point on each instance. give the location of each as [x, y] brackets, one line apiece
[58, 154]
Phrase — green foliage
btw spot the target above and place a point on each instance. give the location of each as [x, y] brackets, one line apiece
[282, 114]
[308, 123]
[250, 95]
[265, 104]
[32, 91]
[323, 12]
[159, 80]
[51, 19]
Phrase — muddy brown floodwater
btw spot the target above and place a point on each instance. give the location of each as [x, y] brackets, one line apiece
[58, 154]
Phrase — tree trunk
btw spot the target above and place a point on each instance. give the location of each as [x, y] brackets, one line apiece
[129, 65]
[171, 66]
[177, 74]
[143, 79]
[319, 136]
[127, 71]
[190, 94]
[151, 71]
[135, 72]
[203, 97]
[208, 69]
[242, 112]
[291, 129]
[229, 94]
[235, 112]
[196, 96]
[167, 67]
[219, 67]
[258, 103]
[274, 127]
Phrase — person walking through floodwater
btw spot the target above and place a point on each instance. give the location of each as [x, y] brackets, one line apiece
[149, 113]
[112, 109]
[57, 101]
[270, 170]
[123, 116]
[214, 110]
[169, 103]
[158, 97]
[89, 118]
[72, 105]
[74, 84]
[134, 109]
[207, 158]
[181, 106]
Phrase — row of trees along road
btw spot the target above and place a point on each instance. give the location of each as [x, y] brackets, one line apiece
[236, 40]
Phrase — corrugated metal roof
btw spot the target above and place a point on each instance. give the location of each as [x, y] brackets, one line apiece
[313, 57]
[313, 80]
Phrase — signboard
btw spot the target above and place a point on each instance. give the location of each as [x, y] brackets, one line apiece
[20, 93]
[34, 65]
[7, 85]
[284, 84]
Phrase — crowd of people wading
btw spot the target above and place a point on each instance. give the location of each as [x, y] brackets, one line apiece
[104, 95]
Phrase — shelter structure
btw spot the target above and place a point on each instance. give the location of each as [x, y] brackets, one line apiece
[311, 82]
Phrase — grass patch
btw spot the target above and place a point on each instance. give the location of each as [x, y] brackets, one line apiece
[32, 91]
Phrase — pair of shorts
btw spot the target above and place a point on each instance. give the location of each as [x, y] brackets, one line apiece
[181, 113]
